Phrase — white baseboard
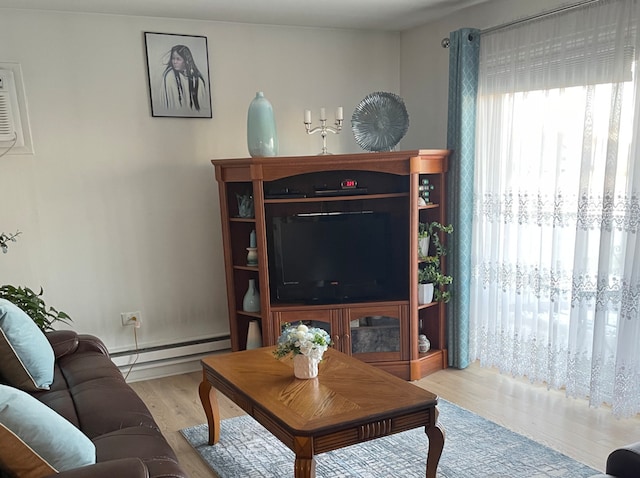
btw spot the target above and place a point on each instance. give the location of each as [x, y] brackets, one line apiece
[164, 361]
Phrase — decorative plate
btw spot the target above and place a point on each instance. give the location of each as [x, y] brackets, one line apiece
[380, 121]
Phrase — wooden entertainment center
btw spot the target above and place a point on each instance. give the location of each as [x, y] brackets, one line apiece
[383, 332]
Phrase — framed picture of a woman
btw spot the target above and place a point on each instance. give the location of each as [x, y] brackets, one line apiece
[178, 70]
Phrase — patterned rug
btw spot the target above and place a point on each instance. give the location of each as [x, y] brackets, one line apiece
[474, 448]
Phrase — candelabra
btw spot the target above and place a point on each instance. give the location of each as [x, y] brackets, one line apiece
[323, 129]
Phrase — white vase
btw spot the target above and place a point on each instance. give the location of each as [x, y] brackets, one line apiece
[425, 293]
[254, 337]
[305, 367]
[251, 300]
[423, 246]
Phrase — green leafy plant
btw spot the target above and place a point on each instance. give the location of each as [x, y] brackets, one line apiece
[431, 271]
[5, 238]
[33, 305]
[423, 230]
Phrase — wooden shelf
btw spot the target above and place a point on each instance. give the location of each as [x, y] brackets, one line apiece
[426, 306]
[355, 197]
[429, 354]
[257, 315]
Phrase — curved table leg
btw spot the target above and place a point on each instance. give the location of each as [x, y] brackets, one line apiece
[436, 434]
[210, 404]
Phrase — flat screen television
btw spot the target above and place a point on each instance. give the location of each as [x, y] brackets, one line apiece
[331, 258]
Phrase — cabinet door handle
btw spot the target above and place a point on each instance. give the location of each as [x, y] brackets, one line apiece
[336, 339]
[347, 336]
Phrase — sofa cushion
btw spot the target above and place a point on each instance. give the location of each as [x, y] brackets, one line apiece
[91, 393]
[146, 443]
[44, 434]
[26, 356]
[18, 457]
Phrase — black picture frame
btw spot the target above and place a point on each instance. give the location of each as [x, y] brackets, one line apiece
[183, 92]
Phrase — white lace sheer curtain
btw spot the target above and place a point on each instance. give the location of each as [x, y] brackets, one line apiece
[555, 294]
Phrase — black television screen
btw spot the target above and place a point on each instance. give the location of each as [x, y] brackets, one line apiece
[326, 258]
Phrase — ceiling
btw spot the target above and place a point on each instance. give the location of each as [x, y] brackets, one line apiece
[390, 15]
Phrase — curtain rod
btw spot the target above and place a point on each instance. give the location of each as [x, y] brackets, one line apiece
[445, 41]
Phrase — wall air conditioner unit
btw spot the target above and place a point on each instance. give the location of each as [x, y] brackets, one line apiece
[11, 133]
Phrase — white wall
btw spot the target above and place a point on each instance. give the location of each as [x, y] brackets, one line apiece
[425, 64]
[119, 210]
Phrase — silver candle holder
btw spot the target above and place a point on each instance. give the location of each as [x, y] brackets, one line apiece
[323, 129]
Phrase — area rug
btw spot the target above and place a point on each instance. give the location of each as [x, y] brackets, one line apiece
[474, 448]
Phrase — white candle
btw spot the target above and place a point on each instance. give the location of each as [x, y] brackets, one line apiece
[339, 113]
[323, 114]
[307, 116]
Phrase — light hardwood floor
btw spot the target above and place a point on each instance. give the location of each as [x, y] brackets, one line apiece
[564, 424]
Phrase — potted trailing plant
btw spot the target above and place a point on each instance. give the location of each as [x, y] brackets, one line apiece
[33, 305]
[432, 281]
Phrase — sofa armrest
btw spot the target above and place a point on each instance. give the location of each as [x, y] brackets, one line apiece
[122, 468]
[91, 343]
[63, 342]
[625, 461]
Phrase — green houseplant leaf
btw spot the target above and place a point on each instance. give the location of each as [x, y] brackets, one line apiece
[33, 305]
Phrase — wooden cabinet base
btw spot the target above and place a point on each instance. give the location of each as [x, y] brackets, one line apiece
[428, 363]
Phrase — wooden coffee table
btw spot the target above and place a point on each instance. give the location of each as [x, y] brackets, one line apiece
[349, 402]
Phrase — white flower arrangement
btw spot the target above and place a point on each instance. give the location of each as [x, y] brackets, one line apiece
[300, 339]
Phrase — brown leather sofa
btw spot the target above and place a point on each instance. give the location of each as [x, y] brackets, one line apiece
[623, 462]
[90, 391]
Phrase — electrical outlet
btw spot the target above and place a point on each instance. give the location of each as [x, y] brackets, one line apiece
[131, 318]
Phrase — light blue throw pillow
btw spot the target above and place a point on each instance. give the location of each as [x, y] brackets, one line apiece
[52, 437]
[26, 356]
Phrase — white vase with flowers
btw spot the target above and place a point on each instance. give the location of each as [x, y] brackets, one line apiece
[307, 346]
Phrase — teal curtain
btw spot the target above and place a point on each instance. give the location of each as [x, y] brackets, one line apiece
[464, 51]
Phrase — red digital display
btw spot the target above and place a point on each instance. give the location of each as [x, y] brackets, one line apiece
[348, 183]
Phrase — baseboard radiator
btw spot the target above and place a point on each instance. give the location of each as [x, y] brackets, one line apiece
[165, 360]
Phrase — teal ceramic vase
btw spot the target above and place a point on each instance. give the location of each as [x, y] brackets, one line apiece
[251, 299]
[262, 138]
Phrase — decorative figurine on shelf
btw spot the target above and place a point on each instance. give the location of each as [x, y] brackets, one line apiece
[424, 190]
[252, 250]
[245, 205]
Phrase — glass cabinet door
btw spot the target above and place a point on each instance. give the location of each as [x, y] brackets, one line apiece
[323, 319]
[376, 334]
